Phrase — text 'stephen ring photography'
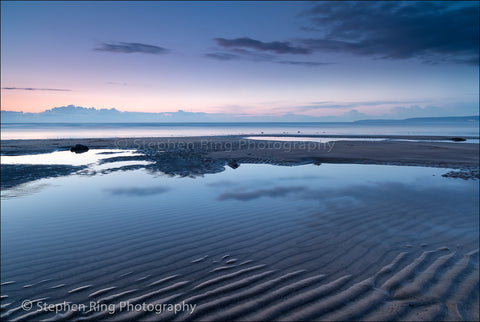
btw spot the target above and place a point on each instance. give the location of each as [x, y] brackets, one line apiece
[239, 161]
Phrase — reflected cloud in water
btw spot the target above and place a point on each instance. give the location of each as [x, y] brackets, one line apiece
[276, 192]
[369, 192]
[138, 191]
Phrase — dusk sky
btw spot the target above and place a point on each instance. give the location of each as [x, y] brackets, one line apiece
[345, 59]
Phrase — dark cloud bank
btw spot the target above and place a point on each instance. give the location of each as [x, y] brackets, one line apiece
[432, 32]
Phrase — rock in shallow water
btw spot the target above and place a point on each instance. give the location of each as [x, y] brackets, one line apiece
[464, 174]
[233, 164]
[79, 148]
[458, 139]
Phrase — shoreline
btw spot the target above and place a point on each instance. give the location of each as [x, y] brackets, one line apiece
[197, 156]
[435, 154]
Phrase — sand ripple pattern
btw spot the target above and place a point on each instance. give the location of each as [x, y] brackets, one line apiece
[437, 285]
[401, 254]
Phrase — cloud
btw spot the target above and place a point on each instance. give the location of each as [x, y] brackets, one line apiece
[326, 105]
[221, 56]
[131, 47]
[116, 83]
[417, 111]
[443, 110]
[278, 47]
[37, 89]
[138, 191]
[433, 32]
[353, 115]
[241, 54]
[303, 63]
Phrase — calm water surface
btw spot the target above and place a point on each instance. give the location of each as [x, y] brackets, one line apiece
[101, 130]
[129, 228]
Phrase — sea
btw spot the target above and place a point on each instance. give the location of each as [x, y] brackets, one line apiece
[103, 130]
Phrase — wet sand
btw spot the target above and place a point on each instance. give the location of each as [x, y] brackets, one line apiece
[196, 156]
[436, 154]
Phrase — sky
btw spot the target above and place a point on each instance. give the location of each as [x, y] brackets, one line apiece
[342, 60]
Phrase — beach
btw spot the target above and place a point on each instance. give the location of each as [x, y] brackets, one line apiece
[394, 152]
[228, 228]
[200, 155]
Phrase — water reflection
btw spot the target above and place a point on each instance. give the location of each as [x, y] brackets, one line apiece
[20, 169]
[66, 157]
[138, 191]
[125, 230]
[276, 192]
[17, 170]
[309, 139]
[16, 174]
[335, 139]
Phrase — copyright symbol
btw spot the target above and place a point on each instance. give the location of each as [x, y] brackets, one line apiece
[27, 305]
[121, 143]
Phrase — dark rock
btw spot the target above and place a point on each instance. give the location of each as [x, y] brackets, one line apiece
[79, 148]
[463, 174]
[458, 139]
[233, 164]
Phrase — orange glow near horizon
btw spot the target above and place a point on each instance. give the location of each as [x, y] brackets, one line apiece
[37, 101]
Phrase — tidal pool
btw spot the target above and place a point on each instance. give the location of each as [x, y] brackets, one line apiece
[281, 235]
